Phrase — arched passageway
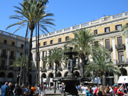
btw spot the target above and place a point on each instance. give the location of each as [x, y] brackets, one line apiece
[2, 74]
[10, 75]
[123, 71]
[65, 74]
[76, 74]
[59, 74]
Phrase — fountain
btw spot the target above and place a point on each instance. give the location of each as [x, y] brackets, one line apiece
[70, 80]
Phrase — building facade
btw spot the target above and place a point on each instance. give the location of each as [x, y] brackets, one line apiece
[11, 47]
[108, 35]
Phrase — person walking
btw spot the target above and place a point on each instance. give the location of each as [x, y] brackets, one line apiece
[17, 90]
[30, 91]
[10, 89]
[89, 92]
[5, 89]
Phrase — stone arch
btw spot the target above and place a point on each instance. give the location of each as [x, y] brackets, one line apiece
[65, 74]
[76, 73]
[10, 75]
[2, 74]
[43, 75]
[50, 75]
[59, 74]
[123, 71]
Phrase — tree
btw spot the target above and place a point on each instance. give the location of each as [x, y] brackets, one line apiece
[55, 56]
[125, 30]
[32, 13]
[81, 44]
[101, 62]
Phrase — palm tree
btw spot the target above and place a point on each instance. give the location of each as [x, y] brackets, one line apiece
[32, 13]
[56, 56]
[81, 44]
[101, 62]
[125, 30]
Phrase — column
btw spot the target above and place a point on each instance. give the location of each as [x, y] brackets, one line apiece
[8, 58]
[40, 65]
[126, 45]
[47, 59]
[33, 63]
[91, 55]
[114, 50]
[101, 42]
[41, 55]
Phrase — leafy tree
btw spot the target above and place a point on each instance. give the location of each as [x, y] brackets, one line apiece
[81, 44]
[32, 13]
[101, 62]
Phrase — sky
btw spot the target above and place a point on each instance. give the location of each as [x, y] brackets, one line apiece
[67, 13]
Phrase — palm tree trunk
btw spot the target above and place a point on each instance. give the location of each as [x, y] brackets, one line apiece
[29, 57]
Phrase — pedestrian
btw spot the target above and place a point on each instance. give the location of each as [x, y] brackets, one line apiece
[5, 89]
[107, 91]
[89, 92]
[10, 89]
[30, 91]
[17, 91]
[100, 91]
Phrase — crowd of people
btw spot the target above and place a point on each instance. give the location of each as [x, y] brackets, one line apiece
[8, 89]
[99, 90]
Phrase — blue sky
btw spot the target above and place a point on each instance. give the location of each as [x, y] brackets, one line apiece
[67, 12]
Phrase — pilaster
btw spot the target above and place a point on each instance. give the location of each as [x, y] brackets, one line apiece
[114, 50]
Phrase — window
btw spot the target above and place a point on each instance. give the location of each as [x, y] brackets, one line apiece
[5, 41]
[107, 29]
[3, 64]
[51, 41]
[66, 38]
[117, 27]
[121, 56]
[44, 53]
[12, 53]
[13, 43]
[50, 52]
[95, 32]
[107, 43]
[21, 54]
[22, 46]
[59, 39]
[45, 43]
[119, 41]
[4, 51]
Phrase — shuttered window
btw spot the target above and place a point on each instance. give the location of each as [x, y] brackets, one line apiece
[12, 53]
[107, 43]
[119, 41]
[121, 56]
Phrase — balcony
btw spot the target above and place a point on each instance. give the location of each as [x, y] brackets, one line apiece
[118, 63]
[109, 48]
[3, 56]
[119, 47]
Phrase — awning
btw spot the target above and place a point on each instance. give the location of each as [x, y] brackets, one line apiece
[123, 79]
